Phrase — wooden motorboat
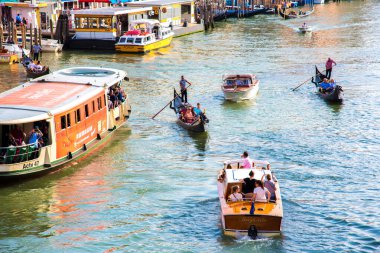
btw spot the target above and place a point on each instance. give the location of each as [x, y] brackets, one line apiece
[52, 46]
[237, 219]
[144, 36]
[240, 87]
[200, 124]
[292, 13]
[333, 96]
[71, 108]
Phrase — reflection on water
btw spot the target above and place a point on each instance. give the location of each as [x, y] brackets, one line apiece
[153, 188]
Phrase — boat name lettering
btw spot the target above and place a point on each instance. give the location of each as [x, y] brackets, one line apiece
[30, 165]
[253, 219]
[84, 132]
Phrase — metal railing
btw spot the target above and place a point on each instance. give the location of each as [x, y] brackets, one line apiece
[18, 154]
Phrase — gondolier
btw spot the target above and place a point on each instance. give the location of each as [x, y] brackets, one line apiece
[329, 66]
[182, 84]
[36, 51]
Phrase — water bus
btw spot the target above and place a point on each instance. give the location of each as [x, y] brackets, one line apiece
[240, 87]
[54, 119]
[237, 219]
[144, 35]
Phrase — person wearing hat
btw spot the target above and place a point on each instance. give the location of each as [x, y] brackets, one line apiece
[182, 84]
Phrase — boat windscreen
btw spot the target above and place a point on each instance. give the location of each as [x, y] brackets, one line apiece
[87, 72]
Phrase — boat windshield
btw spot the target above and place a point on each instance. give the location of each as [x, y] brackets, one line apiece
[238, 82]
[22, 142]
[87, 72]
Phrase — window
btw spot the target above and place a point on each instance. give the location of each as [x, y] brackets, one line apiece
[68, 120]
[122, 40]
[104, 99]
[63, 122]
[129, 40]
[148, 38]
[77, 116]
[99, 103]
[86, 111]
[138, 40]
[93, 106]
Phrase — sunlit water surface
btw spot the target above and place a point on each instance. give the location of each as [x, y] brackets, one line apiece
[153, 188]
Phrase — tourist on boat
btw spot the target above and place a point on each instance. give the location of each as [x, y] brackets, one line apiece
[269, 184]
[325, 85]
[113, 98]
[38, 66]
[246, 162]
[11, 141]
[34, 136]
[18, 135]
[260, 193]
[188, 115]
[329, 66]
[304, 25]
[199, 113]
[235, 195]
[36, 52]
[249, 184]
[182, 84]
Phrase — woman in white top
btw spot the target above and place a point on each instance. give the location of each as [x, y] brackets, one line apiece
[260, 194]
[236, 195]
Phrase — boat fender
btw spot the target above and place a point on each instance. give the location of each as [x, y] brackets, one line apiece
[98, 137]
[252, 232]
[84, 147]
[70, 156]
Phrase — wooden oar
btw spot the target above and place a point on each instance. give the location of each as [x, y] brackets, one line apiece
[306, 81]
[170, 101]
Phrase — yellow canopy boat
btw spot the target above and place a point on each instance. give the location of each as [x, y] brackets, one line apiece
[143, 36]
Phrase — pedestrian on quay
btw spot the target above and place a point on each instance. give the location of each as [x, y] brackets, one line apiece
[36, 51]
[18, 19]
[329, 66]
[182, 84]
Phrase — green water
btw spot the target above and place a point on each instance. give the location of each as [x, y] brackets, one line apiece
[153, 188]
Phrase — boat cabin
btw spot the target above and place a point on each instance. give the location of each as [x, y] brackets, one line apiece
[52, 119]
[239, 80]
[144, 31]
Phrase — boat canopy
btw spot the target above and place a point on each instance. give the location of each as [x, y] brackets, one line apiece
[235, 175]
[19, 115]
[147, 22]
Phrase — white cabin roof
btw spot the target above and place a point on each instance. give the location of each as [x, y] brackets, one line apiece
[235, 175]
[111, 11]
[59, 91]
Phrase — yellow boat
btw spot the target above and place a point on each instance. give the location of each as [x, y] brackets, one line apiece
[143, 36]
[8, 57]
[237, 218]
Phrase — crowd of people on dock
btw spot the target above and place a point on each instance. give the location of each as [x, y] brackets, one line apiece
[263, 190]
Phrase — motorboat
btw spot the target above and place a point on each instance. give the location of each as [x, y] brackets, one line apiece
[242, 217]
[49, 45]
[305, 28]
[16, 49]
[240, 87]
[144, 35]
[8, 57]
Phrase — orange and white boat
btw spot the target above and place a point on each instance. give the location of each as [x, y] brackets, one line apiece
[72, 111]
[237, 88]
[237, 219]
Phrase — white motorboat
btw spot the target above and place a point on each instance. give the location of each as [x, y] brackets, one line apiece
[16, 49]
[240, 87]
[319, 1]
[50, 45]
[305, 28]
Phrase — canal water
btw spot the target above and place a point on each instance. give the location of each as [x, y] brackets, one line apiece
[153, 188]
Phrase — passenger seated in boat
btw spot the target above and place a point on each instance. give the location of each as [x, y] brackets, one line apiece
[18, 134]
[246, 162]
[269, 184]
[325, 85]
[260, 193]
[113, 98]
[38, 66]
[249, 184]
[235, 195]
[34, 136]
[188, 116]
[199, 114]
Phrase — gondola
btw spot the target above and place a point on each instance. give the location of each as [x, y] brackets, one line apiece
[334, 96]
[294, 14]
[199, 125]
[33, 73]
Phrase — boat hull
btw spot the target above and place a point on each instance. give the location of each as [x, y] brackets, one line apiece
[144, 48]
[96, 44]
[304, 30]
[32, 74]
[237, 96]
[198, 127]
[9, 59]
[236, 225]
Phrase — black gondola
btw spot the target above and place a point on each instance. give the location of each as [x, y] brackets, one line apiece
[199, 125]
[33, 73]
[294, 14]
[334, 96]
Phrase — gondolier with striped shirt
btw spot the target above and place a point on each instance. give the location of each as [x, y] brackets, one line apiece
[329, 66]
[182, 84]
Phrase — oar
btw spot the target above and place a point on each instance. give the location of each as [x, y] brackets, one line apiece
[170, 102]
[306, 81]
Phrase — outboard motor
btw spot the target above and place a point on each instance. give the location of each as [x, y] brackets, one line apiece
[252, 232]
